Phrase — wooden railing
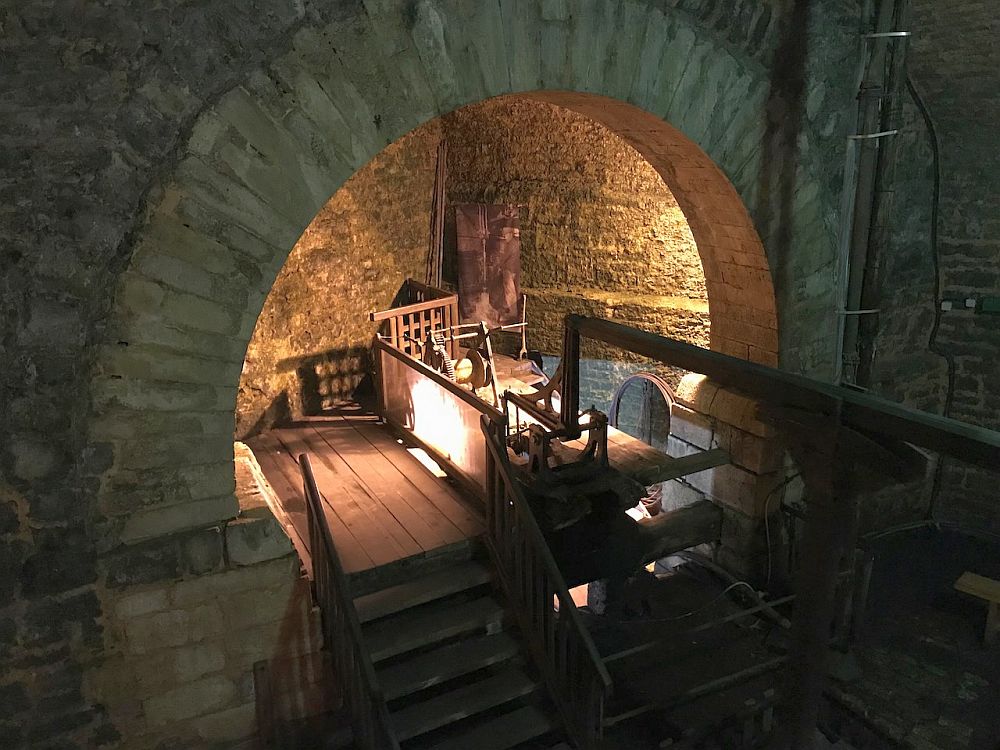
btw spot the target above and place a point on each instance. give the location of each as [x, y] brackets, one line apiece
[342, 630]
[558, 641]
[427, 308]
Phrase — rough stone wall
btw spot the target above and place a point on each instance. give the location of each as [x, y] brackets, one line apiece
[953, 62]
[309, 345]
[601, 234]
[199, 640]
[128, 187]
[96, 98]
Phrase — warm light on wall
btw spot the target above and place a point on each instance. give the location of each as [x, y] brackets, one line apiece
[437, 419]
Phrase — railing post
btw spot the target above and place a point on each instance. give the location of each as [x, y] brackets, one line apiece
[342, 629]
[559, 643]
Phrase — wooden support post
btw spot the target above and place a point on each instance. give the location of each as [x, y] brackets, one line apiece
[569, 390]
[817, 444]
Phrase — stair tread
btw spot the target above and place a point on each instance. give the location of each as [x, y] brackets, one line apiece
[445, 663]
[427, 588]
[503, 732]
[462, 702]
[406, 631]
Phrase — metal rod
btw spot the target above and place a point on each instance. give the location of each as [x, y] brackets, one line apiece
[698, 629]
[867, 136]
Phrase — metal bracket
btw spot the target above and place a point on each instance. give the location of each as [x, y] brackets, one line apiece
[887, 35]
[867, 136]
[858, 312]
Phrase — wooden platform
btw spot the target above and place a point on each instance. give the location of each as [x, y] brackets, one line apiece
[383, 504]
[635, 459]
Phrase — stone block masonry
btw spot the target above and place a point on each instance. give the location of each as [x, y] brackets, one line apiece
[750, 489]
[183, 654]
[160, 164]
[953, 63]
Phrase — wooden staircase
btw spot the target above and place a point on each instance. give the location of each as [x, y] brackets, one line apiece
[451, 668]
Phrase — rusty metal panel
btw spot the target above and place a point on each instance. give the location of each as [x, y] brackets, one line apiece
[489, 263]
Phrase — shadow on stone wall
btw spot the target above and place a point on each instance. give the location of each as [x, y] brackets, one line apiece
[320, 382]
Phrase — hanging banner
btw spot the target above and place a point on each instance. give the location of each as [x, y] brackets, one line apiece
[489, 263]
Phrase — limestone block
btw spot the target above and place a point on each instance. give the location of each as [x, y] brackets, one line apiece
[208, 197]
[694, 93]
[429, 38]
[152, 329]
[200, 314]
[142, 603]
[230, 725]
[148, 362]
[207, 588]
[757, 454]
[205, 621]
[696, 392]
[161, 521]
[649, 57]
[256, 536]
[33, 458]
[170, 451]
[273, 640]
[177, 273]
[195, 699]
[739, 411]
[160, 630]
[676, 494]
[521, 20]
[197, 660]
[482, 23]
[202, 553]
[288, 602]
[739, 489]
[676, 56]
[690, 426]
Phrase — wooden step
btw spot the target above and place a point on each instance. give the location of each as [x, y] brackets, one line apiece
[503, 732]
[445, 663]
[461, 703]
[450, 580]
[429, 624]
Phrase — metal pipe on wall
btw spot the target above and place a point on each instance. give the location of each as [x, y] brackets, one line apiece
[865, 161]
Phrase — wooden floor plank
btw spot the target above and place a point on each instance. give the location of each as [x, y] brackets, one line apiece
[421, 519]
[397, 464]
[294, 521]
[443, 497]
[284, 469]
[375, 529]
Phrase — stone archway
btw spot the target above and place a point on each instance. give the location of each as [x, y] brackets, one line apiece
[261, 162]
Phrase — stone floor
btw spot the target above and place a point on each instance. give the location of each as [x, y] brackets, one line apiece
[927, 682]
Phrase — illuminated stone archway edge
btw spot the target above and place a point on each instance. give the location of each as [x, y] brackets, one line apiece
[264, 159]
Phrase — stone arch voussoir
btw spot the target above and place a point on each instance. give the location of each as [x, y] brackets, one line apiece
[267, 155]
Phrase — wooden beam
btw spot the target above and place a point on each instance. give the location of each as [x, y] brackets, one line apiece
[674, 530]
[861, 411]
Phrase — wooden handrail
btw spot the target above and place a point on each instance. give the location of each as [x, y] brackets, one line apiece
[559, 642]
[464, 394]
[342, 635]
[427, 309]
[860, 411]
